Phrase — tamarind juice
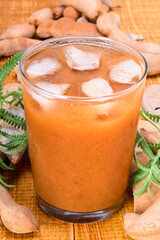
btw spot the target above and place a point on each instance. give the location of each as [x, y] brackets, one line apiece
[82, 97]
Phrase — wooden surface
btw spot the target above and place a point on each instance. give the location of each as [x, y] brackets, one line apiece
[139, 16]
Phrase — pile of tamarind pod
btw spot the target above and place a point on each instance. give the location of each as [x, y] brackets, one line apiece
[76, 17]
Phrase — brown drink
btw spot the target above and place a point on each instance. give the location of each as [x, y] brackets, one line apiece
[82, 98]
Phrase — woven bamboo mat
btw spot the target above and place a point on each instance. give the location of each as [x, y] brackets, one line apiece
[139, 16]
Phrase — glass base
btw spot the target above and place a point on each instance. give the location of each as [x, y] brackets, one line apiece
[74, 217]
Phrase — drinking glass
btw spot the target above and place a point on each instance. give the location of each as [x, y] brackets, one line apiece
[81, 147]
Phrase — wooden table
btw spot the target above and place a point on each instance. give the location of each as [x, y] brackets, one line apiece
[139, 16]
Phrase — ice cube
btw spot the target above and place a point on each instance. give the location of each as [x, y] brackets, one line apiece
[58, 89]
[43, 102]
[81, 60]
[42, 67]
[47, 101]
[97, 87]
[125, 71]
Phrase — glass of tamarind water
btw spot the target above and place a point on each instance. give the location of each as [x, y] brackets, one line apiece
[82, 97]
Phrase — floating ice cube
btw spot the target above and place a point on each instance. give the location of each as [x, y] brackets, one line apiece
[97, 87]
[81, 60]
[58, 89]
[125, 71]
[44, 100]
[44, 66]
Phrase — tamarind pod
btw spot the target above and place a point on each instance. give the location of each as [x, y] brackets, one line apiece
[58, 12]
[90, 10]
[18, 30]
[134, 36]
[15, 217]
[40, 16]
[66, 26]
[10, 47]
[71, 12]
[108, 27]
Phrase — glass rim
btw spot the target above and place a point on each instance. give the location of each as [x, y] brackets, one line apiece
[92, 40]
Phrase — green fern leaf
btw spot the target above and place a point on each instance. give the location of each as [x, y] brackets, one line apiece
[138, 177]
[154, 182]
[156, 173]
[7, 67]
[20, 103]
[20, 137]
[18, 142]
[147, 165]
[17, 149]
[5, 167]
[16, 98]
[12, 119]
[3, 177]
[144, 145]
[152, 116]
[10, 144]
[143, 187]
[154, 145]
[5, 184]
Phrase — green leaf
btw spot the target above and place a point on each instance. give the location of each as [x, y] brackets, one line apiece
[5, 184]
[139, 139]
[149, 188]
[17, 149]
[3, 177]
[16, 98]
[5, 167]
[147, 165]
[144, 146]
[154, 182]
[138, 177]
[20, 137]
[6, 69]
[13, 120]
[20, 103]
[150, 172]
[10, 144]
[143, 187]
[154, 145]
[156, 173]
[18, 142]
[151, 118]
